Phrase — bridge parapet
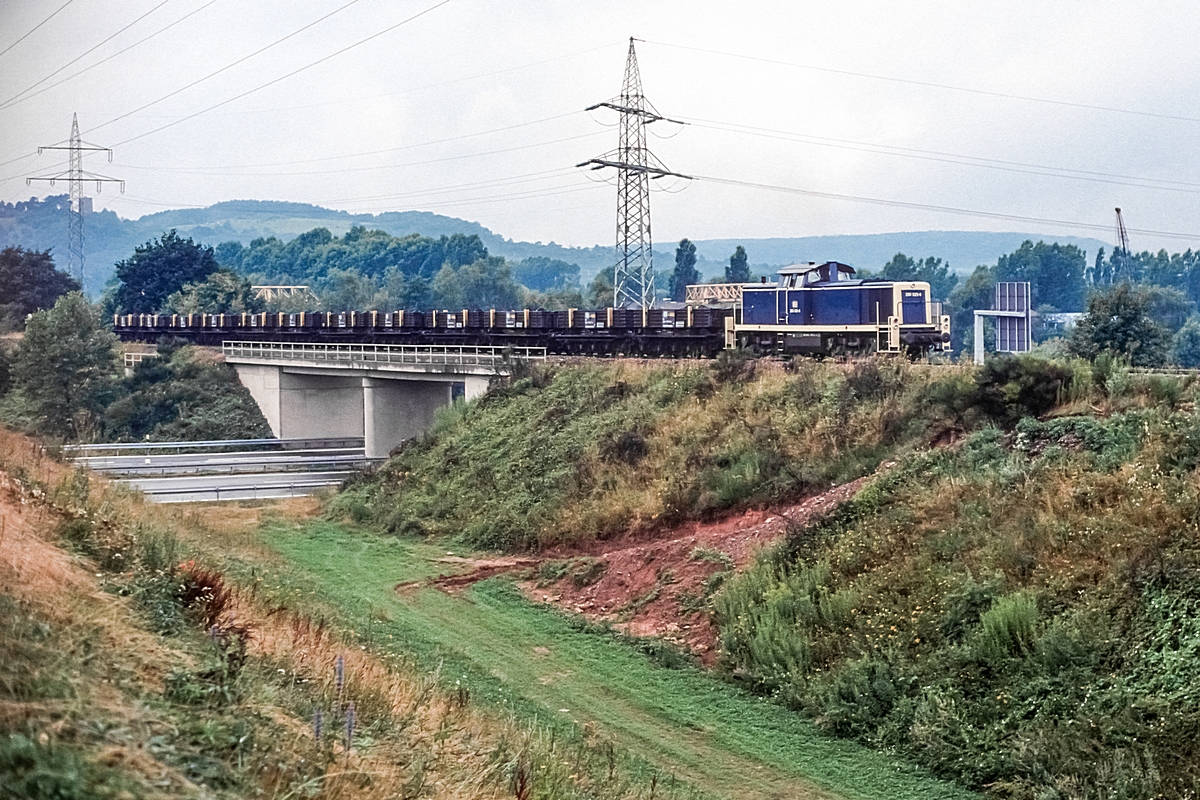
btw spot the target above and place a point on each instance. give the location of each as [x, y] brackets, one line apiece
[457, 359]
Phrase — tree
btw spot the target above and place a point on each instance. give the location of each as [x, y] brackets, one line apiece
[183, 395]
[158, 269]
[348, 290]
[66, 368]
[543, 274]
[929, 269]
[685, 272]
[738, 270]
[1168, 307]
[487, 283]
[1185, 348]
[222, 292]
[1055, 273]
[30, 282]
[600, 290]
[5, 370]
[1117, 322]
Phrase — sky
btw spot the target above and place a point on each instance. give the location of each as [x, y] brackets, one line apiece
[801, 119]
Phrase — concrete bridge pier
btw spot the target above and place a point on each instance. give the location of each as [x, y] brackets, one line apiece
[318, 393]
[398, 409]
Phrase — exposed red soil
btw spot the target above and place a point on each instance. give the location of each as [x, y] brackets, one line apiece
[650, 586]
[644, 585]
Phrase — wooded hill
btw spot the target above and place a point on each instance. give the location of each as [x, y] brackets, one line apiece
[42, 224]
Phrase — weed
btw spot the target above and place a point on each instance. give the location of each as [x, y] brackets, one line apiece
[712, 556]
[587, 571]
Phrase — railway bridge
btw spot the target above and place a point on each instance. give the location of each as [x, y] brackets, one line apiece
[383, 393]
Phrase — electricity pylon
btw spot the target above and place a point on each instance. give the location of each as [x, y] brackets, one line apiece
[633, 277]
[75, 177]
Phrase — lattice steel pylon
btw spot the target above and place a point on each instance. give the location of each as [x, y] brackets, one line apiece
[75, 177]
[633, 276]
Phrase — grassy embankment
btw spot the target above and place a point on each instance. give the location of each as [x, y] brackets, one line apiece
[590, 451]
[133, 669]
[1017, 612]
[534, 660]
[155, 652]
[1021, 613]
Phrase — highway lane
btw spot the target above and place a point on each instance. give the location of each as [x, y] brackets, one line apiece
[258, 486]
[201, 463]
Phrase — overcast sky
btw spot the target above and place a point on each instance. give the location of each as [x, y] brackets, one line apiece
[475, 110]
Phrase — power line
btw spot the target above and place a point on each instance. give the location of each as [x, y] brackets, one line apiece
[85, 53]
[514, 179]
[374, 167]
[951, 158]
[228, 66]
[283, 77]
[940, 209]
[200, 170]
[426, 87]
[75, 75]
[35, 27]
[75, 176]
[931, 84]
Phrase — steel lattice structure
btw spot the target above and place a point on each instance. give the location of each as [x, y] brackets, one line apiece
[633, 276]
[75, 176]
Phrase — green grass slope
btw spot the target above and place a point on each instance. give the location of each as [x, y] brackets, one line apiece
[1020, 614]
[686, 724]
[591, 450]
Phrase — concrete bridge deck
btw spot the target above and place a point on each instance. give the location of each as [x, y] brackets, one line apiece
[383, 393]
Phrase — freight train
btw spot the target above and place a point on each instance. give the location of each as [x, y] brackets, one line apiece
[818, 309]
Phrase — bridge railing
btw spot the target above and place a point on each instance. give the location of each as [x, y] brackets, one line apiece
[420, 354]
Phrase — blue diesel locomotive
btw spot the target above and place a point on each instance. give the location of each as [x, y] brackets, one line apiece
[823, 309]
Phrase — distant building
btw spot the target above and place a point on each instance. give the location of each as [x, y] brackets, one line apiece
[85, 205]
[1059, 322]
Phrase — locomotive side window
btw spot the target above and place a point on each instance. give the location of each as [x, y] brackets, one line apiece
[912, 306]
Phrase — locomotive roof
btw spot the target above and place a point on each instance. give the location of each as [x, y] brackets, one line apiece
[813, 266]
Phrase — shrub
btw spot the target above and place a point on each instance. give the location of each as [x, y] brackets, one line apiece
[1118, 321]
[1007, 628]
[628, 447]
[1011, 387]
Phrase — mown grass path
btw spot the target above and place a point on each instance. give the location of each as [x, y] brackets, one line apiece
[721, 740]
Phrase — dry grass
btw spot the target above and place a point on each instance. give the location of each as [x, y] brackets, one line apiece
[412, 737]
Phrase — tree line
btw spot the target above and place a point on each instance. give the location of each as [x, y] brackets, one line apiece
[372, 269]
[64, 380]
[362, 269]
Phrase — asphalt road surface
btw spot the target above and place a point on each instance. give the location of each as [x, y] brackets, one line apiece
[202, 463]
[256, 486]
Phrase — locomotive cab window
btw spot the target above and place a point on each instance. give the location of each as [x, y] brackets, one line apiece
[912, 306]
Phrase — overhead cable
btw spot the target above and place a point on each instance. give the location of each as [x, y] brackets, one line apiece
[227, 67]
[374, 167]
[85, 53]
[940, 209]
[35, 27]
[75, 75]
[200, 170]
[283, 77]
[931, 84]
[951, 158]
